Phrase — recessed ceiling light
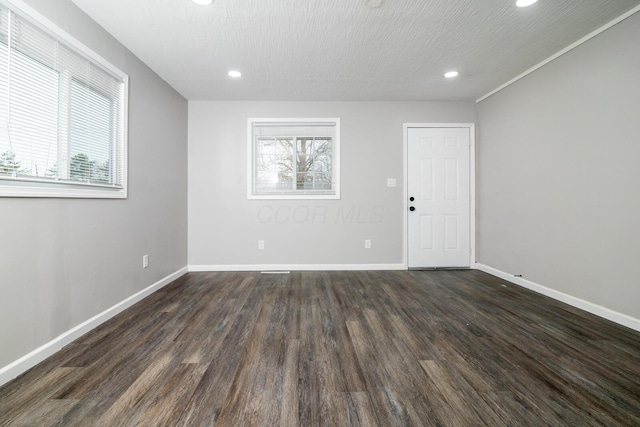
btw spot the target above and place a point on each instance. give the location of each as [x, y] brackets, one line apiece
[234, 73]
[203, 2]
[451, 74]
[525, 3]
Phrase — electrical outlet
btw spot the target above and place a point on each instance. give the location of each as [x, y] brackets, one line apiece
[260, 244]
[367, 244]
[391, 182]
[145, 261]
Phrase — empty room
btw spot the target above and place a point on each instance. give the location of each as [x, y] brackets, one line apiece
[319, 213]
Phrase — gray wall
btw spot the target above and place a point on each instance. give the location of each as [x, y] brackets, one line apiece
[558, 173]
[224, 226]
[64, 261]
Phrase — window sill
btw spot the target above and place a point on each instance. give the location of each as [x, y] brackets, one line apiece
[29, 189]
[293, 196]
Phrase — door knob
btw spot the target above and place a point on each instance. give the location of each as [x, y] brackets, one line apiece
[412, 209]
[411, 199]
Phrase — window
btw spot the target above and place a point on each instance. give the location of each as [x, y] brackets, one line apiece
[62, 113]
[294, 158]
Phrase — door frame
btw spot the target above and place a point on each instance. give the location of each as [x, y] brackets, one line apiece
[472, 186]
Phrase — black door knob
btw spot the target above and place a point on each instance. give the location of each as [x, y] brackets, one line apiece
[411, 199]
[412, 209]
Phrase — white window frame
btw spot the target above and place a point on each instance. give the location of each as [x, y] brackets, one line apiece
[26, 187]
[293, 194]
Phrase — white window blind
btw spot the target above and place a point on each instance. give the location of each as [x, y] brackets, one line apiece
[62, 113]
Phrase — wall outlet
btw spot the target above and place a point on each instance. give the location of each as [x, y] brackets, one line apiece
[260, 244]
[367, 244]
[145, 261]
[391, 182]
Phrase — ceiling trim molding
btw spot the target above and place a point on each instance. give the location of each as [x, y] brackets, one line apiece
[562, 52]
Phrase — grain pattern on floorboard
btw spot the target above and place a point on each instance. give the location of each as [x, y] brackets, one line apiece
[390, 348]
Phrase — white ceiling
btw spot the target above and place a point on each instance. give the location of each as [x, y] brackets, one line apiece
[346, 49]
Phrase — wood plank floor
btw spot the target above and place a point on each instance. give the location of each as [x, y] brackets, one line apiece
[435, 348]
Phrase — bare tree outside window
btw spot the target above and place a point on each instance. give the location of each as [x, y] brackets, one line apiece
[294, 160]
[280, 159]
[313, 161]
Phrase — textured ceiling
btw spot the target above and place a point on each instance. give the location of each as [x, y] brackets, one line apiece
[346, 49]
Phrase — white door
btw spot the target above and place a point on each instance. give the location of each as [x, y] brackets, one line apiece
[439, 197]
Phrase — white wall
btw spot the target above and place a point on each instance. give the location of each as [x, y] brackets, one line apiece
[559, 174]
[64, 261]
[224, 226]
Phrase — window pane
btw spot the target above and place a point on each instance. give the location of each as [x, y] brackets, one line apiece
[323, 147]
[314, 155]
[304, 181]
[322, 181]
[322, 164]
[28, 142]
[90, 142]
[304, 155]
[274, 164]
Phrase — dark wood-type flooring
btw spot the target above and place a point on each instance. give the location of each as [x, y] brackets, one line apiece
[436, 348]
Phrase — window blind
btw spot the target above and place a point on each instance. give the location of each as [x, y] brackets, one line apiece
[62, 114]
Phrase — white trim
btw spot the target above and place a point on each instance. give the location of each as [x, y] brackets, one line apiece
[58, 32]
[26, 362]
[11, 189]
[287, 196]
[598, 310]
[335, 158]
[125, 140]
[562, 52]
[298, 267]
[472, 185]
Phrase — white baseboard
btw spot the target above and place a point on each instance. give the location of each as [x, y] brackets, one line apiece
[297, 267]
[26, 362]
[598, 310]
